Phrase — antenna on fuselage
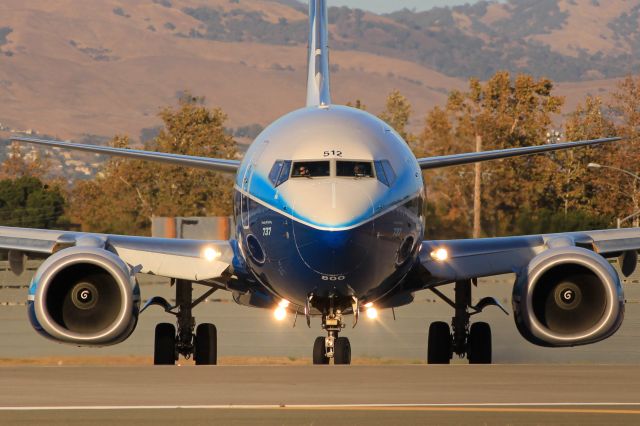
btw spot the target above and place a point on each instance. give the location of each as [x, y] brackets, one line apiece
[318, 88]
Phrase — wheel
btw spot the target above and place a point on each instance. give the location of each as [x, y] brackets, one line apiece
[164, 348]
[319, 352]
[206, 345]
[479, 344]
[439, 344]
[342, 351]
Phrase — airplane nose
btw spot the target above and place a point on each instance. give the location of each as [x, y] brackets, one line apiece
[334, 204]
[339, 235]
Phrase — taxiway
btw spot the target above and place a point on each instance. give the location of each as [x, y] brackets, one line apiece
[460, 394]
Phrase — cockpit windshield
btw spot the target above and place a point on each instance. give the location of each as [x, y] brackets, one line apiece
[358, 169]
[311, 169]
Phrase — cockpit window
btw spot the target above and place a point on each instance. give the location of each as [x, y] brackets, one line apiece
[311, 169]
[280, 172]
[385, 172]
[359, 169]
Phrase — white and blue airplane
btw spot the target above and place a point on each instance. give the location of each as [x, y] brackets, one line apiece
[329, 223]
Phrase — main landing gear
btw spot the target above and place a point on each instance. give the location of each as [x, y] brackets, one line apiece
[171, 343]
[472, 340]
[332, 346]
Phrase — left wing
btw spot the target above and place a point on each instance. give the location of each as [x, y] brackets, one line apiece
[215, 164]
[456, 260]
[182, 259]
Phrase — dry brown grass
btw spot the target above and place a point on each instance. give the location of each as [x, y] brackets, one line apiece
[146, 360]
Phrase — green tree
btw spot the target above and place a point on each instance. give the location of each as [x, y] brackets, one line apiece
[28, 202]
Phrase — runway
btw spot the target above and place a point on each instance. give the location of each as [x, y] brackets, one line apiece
[456, 394]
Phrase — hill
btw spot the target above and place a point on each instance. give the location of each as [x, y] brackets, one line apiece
[72, 68]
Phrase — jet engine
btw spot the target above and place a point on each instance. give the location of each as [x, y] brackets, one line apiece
[568, 296]
[84, 296]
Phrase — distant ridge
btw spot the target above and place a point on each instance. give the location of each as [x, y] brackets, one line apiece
[73, 68]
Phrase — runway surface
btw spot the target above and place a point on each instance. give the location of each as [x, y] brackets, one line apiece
[456, 394]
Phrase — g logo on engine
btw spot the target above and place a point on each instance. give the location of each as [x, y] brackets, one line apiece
[567, 296]
[84, 296]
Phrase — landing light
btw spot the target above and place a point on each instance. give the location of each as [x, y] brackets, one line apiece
[440, 255]
[211, 254]
[284, 303]
[280, 313]
[372, 313]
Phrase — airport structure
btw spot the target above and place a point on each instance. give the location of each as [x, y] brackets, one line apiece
[192, 228]
[328, 224]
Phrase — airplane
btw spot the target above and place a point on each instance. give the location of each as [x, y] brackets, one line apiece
[329, 223]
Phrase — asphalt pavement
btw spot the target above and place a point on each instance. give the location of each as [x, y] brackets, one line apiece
[456, 394]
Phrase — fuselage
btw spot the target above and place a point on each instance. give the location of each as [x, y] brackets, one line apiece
[328, 202]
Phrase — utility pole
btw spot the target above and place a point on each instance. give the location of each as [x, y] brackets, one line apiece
[477, 207]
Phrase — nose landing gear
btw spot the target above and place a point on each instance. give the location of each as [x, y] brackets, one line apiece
[332, 346]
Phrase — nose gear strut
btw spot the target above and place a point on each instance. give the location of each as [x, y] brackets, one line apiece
[332, 346]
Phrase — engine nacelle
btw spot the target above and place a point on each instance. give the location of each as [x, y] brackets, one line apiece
[568, 296]
[84, 296]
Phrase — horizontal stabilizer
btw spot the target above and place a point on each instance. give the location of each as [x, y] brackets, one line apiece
[477, 157]
[214, 164]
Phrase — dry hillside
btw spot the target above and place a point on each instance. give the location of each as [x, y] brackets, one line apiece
[77, 67]
[69, 68]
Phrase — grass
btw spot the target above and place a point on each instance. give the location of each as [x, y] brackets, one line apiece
[227, 360]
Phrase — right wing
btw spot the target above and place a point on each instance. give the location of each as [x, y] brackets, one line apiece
[483, 257]
[173, 258]
[214, 164]
[477, 157]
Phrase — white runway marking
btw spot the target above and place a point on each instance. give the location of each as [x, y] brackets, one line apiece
[322, 406]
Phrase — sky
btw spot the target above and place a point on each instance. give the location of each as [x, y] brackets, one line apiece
[385, 6]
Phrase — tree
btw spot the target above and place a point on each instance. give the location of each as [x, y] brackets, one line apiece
[193, 129]
[572, 187]
[449, 191]
[18, 164]
[26, 198]
[127, 194]
[358, 104]
[397, 114]
[505, 112]
[28, 202]
[111, 202]
[625, 107]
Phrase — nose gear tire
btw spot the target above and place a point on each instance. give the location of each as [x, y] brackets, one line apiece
[342, 351]
[319, 352]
